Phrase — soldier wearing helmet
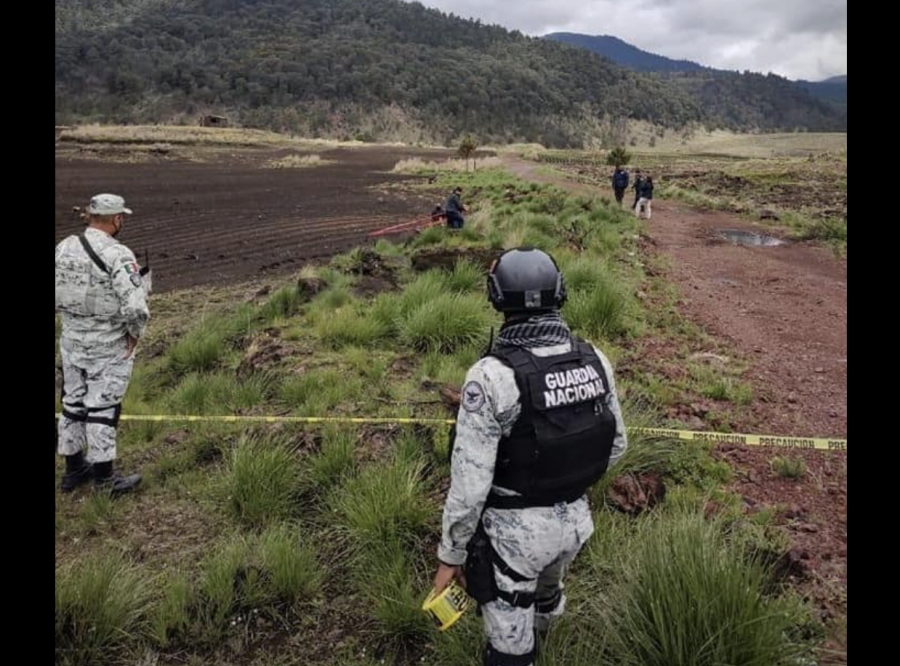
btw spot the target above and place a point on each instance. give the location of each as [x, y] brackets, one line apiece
[539, 423]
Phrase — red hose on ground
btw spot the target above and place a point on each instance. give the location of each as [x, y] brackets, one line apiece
[414, 225]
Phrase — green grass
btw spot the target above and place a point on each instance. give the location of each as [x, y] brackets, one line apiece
[262, 481]
[452, 368]
[97, 513]
[394, 595]
[429, 237]
[318, 391]
[205, 444]
[267, 573]
[386, 310]
[694, 465]
[388, 249]
[367, 363]
[335, 460]
[599, 313]
[351, 327]
[691, 598]
[534, 238]
[426, 288]
[228, 583]
[645, 455]
[543, 224]
[686, 463]
[350, 262]
[828, 229]
[658, 390]
[496, 240]
[606, 240]
[384, 502]
[283, 304]
[204, 347]
[692, 197]
[218, 393]
[294, 572]
[789, 468]
[103, 605]
[325, 304]
[721, 385]
[583, 272]
[727, 389]
[146, 385]
[199, 351]
[447, 323]
[171, 617]
[466, 277]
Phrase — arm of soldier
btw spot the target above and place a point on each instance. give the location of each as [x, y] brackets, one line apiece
[478, 435]
[127, 283]
[620, 443]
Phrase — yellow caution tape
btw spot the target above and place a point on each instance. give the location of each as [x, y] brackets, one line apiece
[770, 441]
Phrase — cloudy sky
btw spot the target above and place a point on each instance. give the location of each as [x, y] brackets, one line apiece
[800, 39]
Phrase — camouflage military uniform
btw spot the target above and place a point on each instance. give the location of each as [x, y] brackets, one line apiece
[537, 543]
[99, 309]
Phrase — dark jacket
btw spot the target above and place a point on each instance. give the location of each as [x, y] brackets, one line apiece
[620, 179]
[454, 205]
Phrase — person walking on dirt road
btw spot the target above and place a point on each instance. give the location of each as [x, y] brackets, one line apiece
[638, 179]
[101, 297]
[645, 202]
[620, 183]
[455, 209]
[511, 528]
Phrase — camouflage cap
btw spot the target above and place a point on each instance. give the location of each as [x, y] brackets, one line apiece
[108, 204]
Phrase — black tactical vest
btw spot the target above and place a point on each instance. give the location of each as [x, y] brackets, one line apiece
[562, 441]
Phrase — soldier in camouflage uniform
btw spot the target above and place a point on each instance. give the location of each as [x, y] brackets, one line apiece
[101, 297]
[541, 395]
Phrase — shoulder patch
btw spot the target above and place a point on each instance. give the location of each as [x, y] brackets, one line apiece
[473, 397]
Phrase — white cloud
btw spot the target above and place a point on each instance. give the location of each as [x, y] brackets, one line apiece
[800, 39]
